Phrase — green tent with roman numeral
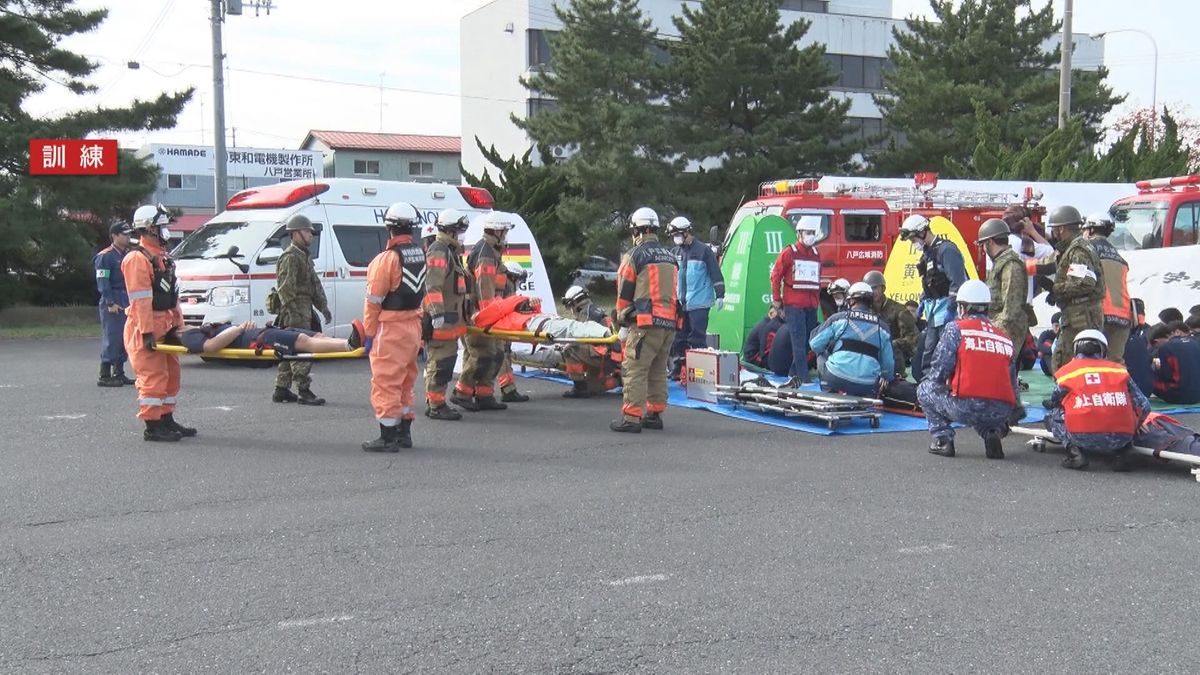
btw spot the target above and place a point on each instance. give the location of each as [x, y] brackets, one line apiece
[746, 264]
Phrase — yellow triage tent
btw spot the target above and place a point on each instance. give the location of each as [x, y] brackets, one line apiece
[903, 282]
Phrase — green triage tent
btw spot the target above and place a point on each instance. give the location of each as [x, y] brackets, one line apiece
[753, 248]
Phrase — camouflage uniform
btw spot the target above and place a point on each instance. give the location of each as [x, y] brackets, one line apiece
[1009, 284]
[1078, 291]
[1116, 328]
[902, 326]
[299, 289]
[942, 408]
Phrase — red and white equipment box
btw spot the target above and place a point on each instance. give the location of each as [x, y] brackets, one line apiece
[704, 369]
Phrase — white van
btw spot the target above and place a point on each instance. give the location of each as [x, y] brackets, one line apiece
[227, 267]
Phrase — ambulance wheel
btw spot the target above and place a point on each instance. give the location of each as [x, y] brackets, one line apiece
[874, 422]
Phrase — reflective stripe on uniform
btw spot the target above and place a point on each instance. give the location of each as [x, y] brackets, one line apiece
[375, 299]
[150, 401]
[140, 295]
[1087, 370]
[389, 421]
[169, 400]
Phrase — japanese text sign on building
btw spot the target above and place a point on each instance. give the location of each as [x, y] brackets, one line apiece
[240, 162]
[72, 157]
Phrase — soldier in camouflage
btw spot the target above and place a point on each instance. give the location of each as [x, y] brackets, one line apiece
[901, 323]
[299, 289]
[1078, 281]
[970, 379]
[1007, 281]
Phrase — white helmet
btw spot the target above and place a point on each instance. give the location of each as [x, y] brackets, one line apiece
[839, 285]
[805, 225]
[515, 271]
[401, 214]
[452, 220]
[1091, 334]
[428, 230]
[575, 295]
[679, 225]
[974, 292]
[644, 218]
[498, 221]
[913, 225]
[861, 290]
[152, 219]
[1099, 221]
[1098, 348]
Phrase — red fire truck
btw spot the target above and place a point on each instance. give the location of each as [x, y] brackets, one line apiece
[859, 224]
[1164, 213]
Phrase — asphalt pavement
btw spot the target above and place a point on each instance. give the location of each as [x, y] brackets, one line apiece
[535, 540]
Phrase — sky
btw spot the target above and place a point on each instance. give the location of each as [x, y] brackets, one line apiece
[316, 64]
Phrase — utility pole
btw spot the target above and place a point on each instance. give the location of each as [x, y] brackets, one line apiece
[220, 181]
[1064, 75]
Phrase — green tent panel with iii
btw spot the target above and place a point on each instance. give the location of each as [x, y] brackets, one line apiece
[753, 247]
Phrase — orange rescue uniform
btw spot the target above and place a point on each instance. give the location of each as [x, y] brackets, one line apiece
[153, 308]
[392, 316]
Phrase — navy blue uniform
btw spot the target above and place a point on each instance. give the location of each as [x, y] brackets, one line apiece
[1137, 360]
[282, 340]
[760, 342]
[942, 408]
[111, 284]
[1177, 374]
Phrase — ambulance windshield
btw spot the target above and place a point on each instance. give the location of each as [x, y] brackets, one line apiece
[1138, 225]
[214, 240]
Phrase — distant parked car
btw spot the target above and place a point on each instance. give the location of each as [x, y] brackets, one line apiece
[596, 268]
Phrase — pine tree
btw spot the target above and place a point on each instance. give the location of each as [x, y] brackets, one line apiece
[746, 104]
[534, 191]
[986, 52]
[49, 226]
[606, 83]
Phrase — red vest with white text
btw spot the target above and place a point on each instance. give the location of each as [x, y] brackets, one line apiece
[984, 363]
[1097, 400]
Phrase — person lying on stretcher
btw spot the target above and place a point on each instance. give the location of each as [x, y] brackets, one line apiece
[521, 313]
[213, 337]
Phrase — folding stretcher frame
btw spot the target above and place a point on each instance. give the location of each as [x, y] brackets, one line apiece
[540, 338]
[831, 409]
[1041, 438]
[266, 355]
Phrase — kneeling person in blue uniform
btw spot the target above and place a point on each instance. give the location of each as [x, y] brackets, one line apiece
[970, 379]
[856, 346]
[1096, 406]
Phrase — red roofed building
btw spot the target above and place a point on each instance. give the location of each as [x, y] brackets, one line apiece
[402, 157]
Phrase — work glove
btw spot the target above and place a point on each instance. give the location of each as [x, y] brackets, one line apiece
[327, 314]
[777, 305]
[148, 341]
[367, 344]
[437, 321]
[719, 304]
[114, 308]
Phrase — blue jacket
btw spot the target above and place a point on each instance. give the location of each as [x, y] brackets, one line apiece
[109, 280]
[1177, 377]
[859, 346]
[1137, 360]
[700, 279]
[945, 256]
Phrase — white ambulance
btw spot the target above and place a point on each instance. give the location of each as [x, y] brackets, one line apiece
[227, 267]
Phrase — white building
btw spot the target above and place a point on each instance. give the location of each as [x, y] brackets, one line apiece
[505, 39]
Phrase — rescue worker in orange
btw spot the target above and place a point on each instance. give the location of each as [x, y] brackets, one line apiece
[970, 379]
[1096, 406]
[593, 369]
[447, 284]
[153, 313]
[392, 317]
[1116, 303]
[516, 276]
[484, 356]
[648, 305]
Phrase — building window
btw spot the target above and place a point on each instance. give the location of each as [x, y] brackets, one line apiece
[180, 182]
[539, 47]
[539, 105]
[864, 73]
[366, 167]
[420, 169]
[868, 130]
[819, 6]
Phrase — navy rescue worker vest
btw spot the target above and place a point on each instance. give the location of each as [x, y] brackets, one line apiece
[165, 287]
[411, 291]
[934, 280]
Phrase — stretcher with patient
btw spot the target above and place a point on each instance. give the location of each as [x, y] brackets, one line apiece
[247, 341]
[520, 319]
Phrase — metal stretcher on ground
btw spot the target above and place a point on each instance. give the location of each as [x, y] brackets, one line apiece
[1041, 438]
[831, 409]
[264, 355]
[541, 338]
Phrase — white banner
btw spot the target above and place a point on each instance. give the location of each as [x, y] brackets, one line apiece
[197, 160]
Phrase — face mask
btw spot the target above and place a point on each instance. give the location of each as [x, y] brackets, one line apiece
[461, 236]
[808, 239]
[678, 239]
[918, 244]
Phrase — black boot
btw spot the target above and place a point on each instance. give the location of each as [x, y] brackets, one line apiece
[652, 421]
[283, 395]
[106, 377]
[489, 403]
[513, 395]
[119, 374]
[169, 422]
[992, 446]
[1075, 459]
[625, 426]
[942, 446]
[442, 412]
[156, 432]
[404, 436]
[463, 401]
[306, 397]
[578, 390]
[1018, 413]
[385, 443]
[1123, 462]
